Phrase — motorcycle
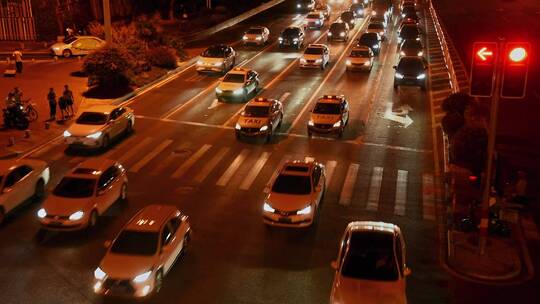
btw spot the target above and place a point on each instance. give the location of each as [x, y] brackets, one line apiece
[16, 117]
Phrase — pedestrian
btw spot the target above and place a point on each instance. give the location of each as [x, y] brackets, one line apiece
[68, 98]
[51, 97]
[62, 104]
[17, 95]
[18, 60]
[10, 101]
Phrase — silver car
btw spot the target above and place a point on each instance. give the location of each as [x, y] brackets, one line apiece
[76, 46]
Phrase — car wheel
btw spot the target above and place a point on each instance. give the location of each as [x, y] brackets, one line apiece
[129, 127]
[237, 135]
[158, 283]
[340, 134]
[105, 142]
[66, 53]
[2, 215]
[309, 134]
[39, 191]
[395, 86]
[92, 220]
[280, 121]
[123, 193]
[185, 243]
[269, 135]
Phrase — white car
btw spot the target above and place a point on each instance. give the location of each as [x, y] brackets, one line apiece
[98, 125]
[315, 55]
[361, 58]
[216, 58]
[256, 35]
[144, 251]
[238, 84]
[324, 8]
[371, 266]
[315, 20]
[21, 180]
[76, 46]
[295, 195]
[83, 194]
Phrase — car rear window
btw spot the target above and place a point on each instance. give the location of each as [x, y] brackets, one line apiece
[256, 111]
[327, 108]
[234, 78]
[359, 53]
[313, 16]
[292, 184]
[291, 32]
[371, 257]
[412, 65]
[347, 15]
[254, 31]
[409, 31]
[214, 52]
[70, 39]
[411, 43]
[368, 38]
[72, 187]
[313, 51]
[92, 118]
[135, 243]
[338, 26]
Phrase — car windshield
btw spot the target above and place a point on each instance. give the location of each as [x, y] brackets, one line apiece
[408, 10]
[256, 111]
[92, 118]
[367, 39]
[337, 27]
[289, 32]
[73, 187]
[135, 243]
[359, 53]
[356, 6]
[254, 31]
[411, 44]
[327, 108]
[292, 184]
[409, 31]
[70, 39]
[347, 15]
[370, 257]
[235, 78]
[313, 16]
[376, 26]
[314, 51]
[410, 65]
[214, 52]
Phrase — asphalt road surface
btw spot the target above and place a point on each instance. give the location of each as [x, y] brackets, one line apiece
[379, 170]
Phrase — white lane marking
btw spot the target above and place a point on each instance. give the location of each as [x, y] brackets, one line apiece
[47, 148]
[330, 168]
[401, 193]
[167, 162]
[190, 161]
[228, 174]
[428, 197]
[215, 104]
[145, 160]
[211, 164]
[348, 186]
[131, 152]
[283, 160]
[374, 191]
[284, 96]
[309, 159]
[255, 170]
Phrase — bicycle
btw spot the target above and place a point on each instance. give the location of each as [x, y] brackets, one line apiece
[30, 110]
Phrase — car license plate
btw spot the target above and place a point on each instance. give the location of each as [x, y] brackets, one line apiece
[56, 223]
[284, 220]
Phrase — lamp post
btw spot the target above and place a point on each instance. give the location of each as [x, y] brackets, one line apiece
[107, 20]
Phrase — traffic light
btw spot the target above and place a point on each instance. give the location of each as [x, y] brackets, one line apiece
[484, 60]
[515, 70]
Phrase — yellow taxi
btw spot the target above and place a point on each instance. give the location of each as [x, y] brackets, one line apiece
[330, 115]
[260, 117]
[238, 84]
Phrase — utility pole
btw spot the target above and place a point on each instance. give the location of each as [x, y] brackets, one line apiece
[107, 21]
[209, 4]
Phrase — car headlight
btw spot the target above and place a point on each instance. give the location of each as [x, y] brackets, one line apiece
[373, 13]
[199, 62]
[402, 15]
[142, 277]
[342, 34]
[399, 75]
[399, 39]
[367, 62]
[360, 12]
[94, 135]
[99, 274]
[75, 216]
[311, 123]
[56, 48]
[238, 91]
[219, 91]
[318, 21]
[258, 38]
[280, 39]
[264, 128]
[302, 60]
[419, 54]
[402, 53]
[318, 61]
[66, 133]
[218, 63]
[337, 124]
[295, 40]
[238, 126]
[306, 210]
[348, 62]
[268, 208]
[298, 5]
[329, 34]
[417, 38]
[421, 76]
[375, 46]
[41, 213]
[245, 37]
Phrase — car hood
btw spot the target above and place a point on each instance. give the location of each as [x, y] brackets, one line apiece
[288, 202]
[211, 60]
[230, 86]
[252, 122]
[289, 37]
[84, 130]
[64, 206]
[349, 291]
[312, 56]
[253, 36]
[59, 45]
[358, 59]
[325, 118]
[121, 266]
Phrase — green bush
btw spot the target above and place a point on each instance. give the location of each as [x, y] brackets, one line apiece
[176, 44]
[163, 56]
[108, 66]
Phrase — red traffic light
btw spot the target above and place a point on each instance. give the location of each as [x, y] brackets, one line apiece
[517, 54]
[484, 53]
[515, 70]
[484, 57]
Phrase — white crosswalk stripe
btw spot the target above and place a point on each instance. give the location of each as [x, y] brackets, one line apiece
[190, 161]
[170, 159]
[374, 191]
[401, 193]
[254, 172]
[330, 169]
[136, 149]
[145, 160]
[228, 174]
[210, 165]
[428, 197]
[345, 197]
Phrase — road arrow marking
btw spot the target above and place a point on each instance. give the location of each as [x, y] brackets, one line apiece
[388, 114]
[215, 104]
[403, 110]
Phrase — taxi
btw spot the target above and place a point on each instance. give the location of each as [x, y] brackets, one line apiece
[315, 20]
[260, 117]
[361, 58]
[144, 251]
[330, 115]
[238, 84]
[315, 55]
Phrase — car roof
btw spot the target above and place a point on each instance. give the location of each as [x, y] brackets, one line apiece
[360, 48]
[8, 164]
[241, 71]
[104, 108]
[261, 102]
[257, 27]
[373, 226]
[411, 58]
[92, 167]
[369, 34]
[317, 45]
[331, 99]
[297, 167]
[151, 218]
[87, 36]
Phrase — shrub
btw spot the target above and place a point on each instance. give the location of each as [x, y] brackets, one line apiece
[146, 30]
[163, 56]
[452, 122]
[176, 44]
[95, 28]
[468, 148]
[456, 102]
[108, 66]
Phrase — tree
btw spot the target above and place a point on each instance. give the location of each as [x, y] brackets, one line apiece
[456, 102]
[452, 122]
[108, 66]
[468, 148]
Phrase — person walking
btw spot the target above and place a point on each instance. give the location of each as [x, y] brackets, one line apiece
[51, 97]
[18, 60]
[68, 98]
[62, 105]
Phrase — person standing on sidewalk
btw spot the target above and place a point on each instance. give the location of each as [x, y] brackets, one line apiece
[51, 97]
[68, 98]
[62, 105]
[18, 61]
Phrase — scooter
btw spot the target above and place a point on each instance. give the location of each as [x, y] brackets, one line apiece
[16, 117]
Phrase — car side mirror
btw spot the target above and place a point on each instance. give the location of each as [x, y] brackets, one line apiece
[107, 244]
[7, 190]
[334, 265]
[407, 271]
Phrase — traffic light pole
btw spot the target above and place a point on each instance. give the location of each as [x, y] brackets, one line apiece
[107, 20]
[484, 220]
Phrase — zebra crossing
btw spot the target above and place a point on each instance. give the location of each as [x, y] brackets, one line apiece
[241, 168]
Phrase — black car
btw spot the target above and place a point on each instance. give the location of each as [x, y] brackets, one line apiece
[371, 40]
[411, 48]
[349, 18]
[338, 31]
[409, 32]
[411, 70]
[357, 9]
[408, 10]
[292, 36]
